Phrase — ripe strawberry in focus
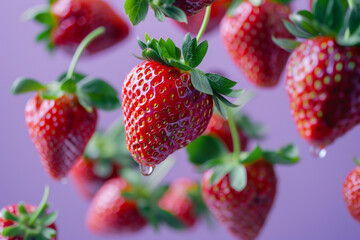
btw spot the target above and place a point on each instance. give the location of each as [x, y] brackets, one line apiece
[243, 213]
[68, 22]
[167, 101]
[111, 213]
[218, 10]
[351, 192]
[247, 36]
[182, 201]
[25, 221]
[62, 116]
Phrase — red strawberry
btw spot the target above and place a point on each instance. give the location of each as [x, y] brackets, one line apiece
[31, 221]
[247, 38]
[242, 213]
[191, 7]
[60, 130]
[218, 10]
[62, 117]
[322, 81]
[351, 192]
[70, 21]
[111, 213]
[163, 111]
[219, 127]
[87, 181]
[178, 202]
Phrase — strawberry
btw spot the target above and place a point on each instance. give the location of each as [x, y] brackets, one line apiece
[218, 10]
[351, 192]
[240, 194]
[178, 200]
[111, 213]
[26, 221]
[102, 160]
[167, 102]
[62, 117]
[192, 7]
[68, 22]
[247, 38]
[322, 73]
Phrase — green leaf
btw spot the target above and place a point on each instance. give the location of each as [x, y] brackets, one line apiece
[354, 19]
[304, 20]
[151, 54]
[188, 48]
[178, 64]
[199, 54]
[287, 44]
[330, 13]
[295, 31]
[205, 148]
[45, 18]
[225, 101]
[48, 233]
[255, 155]
[136, 10]
[100, 93]
[285, 2]
[170, 219]
[233, 7]
[159, 15]
[219, 172]
[160, 191]
[251, 129]
[220, 107]
[200, 82]
[23, 85]
[238, 178]
[148, 212]
[9, 216]
[141, 44]
[171, 47]
[221, 84]
[175, 13]
[131, 176]
[12, 231]
[52, 92]
[76, 77]
[286, 155]
[44, 35]
[69, 86]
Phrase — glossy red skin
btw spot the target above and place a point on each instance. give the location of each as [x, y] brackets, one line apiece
[77, 18]
[110, 213]
[177, 201]
[247, 37]
[324, 108]
[218, 10]
[86, 180]
[60, 130]
[219, 128]
[14, 210]
[191, 7]
[242, 213]
[163, 112]
[351, 192]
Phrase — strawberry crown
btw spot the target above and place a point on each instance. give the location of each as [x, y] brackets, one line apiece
[192, 54]
[209, 152]
[235, 4]
[138, 9]
[333, 18]
[106, 148]
[43, 16]
[90, 91]
[147, 197]
[33, 225]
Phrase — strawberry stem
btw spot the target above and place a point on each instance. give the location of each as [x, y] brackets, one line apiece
[234, 134]
[41, 208]
[87, 40]
[204, 23]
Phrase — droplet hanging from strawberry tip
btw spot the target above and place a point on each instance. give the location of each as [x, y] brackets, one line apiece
[146, 170]
[318, 152]
[64, 181]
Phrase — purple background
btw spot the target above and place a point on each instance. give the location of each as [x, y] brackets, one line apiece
[309, 203]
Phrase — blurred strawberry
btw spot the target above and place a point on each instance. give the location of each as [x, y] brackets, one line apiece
[68, 22]
[351, 192]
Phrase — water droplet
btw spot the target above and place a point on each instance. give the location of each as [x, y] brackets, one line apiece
[64, 181]
[318, 152]
[146, 170]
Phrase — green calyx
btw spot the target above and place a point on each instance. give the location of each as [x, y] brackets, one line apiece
[338, 19]
[91, 92]
[109, 148]
[235, 4]
[191, 56]
[138, 9]
[43, 15]
[251, 129]
[31, 226]
[147, 201]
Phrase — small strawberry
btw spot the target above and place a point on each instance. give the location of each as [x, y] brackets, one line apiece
[25, 221]
[68, 22]
[240, 194]
[247, 32]
[351, 192]
[178, 10]
[62, 117]
[218, 10]
[102, 160]
[183, 200]
[323, 76]
[167, 102]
